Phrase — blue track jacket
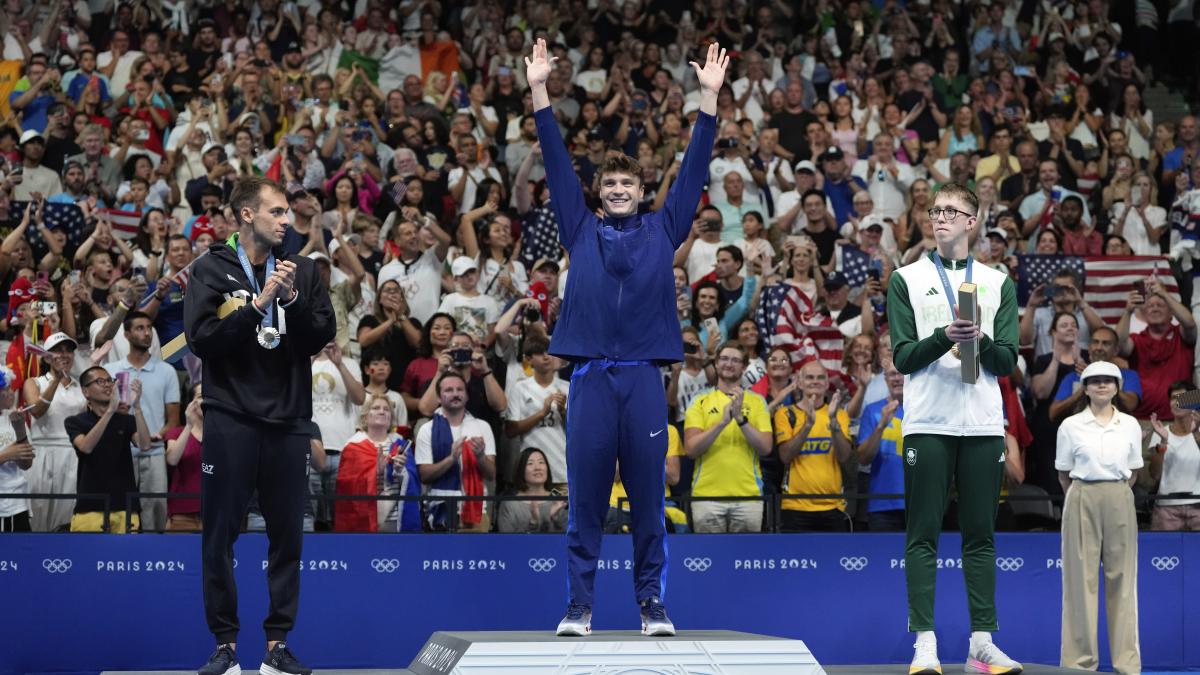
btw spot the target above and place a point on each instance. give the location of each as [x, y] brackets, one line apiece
[620, 297]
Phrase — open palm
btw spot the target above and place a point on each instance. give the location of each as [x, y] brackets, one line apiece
[537, 69]
[712, 74]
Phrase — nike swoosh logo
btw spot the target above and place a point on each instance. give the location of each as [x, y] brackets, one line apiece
[656, 433]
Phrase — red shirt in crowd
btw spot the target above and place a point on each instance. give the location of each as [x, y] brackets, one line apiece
[187, 474]
[1084, 241]
[1159, 361]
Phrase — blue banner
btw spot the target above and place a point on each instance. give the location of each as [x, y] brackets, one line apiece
[85, 603]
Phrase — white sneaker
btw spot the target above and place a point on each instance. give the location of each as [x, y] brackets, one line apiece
[577, 622]
[987, 658]
[925, 660]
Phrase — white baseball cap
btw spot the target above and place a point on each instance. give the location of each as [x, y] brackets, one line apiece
[462, 264]
[1101, 369]
[57, 339]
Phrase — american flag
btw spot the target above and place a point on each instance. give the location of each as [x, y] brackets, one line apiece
[124, 223]
[1107, 279]
[855, 264]
[36, 349]
[67, 217]
[398, 191]
[807, 334]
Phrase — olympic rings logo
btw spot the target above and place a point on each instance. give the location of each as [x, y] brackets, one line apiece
[56, 565]
[697, 564]
[1164, 563]
[385, 565]
[1010, 564]
[854, 563]
[542, 564]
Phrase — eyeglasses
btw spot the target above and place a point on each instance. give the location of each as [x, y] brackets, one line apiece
[950, 213]
[100, 381]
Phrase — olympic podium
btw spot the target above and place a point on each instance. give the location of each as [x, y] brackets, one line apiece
[716, 652]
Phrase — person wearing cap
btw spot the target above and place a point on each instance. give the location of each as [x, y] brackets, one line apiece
[1098, 454]
[55, 396]
[475, 313]
[619, 322]
[839, 184]
[789, 208]
[961, 443]
[36, 177]
[994, 247]
[845, 314]
[73, 184]
[59, 136]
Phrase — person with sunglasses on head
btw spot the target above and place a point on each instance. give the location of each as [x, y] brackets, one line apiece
[963, 443]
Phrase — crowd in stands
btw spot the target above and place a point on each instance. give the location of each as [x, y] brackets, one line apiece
[403, 135]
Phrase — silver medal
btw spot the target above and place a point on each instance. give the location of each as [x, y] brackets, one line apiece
[268, 337]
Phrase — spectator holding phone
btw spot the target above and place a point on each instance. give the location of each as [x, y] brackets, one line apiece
[537, 408]
[55, 396]
[337, 391]
[466, 358]
[1161, 354]
[102, 435]
[159, 406]
[1175, 465]
[184, 446]
[1062, 295]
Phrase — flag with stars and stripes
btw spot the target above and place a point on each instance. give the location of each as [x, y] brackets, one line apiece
[125, 224]
[67, 217]
[855, 264]
[807, 334]
[1107, 280]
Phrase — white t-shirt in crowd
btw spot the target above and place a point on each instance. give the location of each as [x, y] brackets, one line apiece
[120, 76]
[1135, 230]
[473, 314]
[120, 344]
[717, 169]
[333, 412]
[550, 435]
[887, 191]
[702, 259]
[471, 427]
[1181, 468]
[12, 477]
[474, 178]
[421, 281]
[690, 386]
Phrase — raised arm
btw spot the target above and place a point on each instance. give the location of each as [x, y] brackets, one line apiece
[569, 207]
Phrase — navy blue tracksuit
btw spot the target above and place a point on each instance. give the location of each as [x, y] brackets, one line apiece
[618, 324]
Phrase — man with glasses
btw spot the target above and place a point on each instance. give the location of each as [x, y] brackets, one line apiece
[102, 435]
[962, 443]
[726, 431]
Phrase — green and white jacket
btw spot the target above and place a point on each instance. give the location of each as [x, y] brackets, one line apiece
[935, 399]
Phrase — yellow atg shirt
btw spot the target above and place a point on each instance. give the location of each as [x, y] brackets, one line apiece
[815, 470]
[730, 468]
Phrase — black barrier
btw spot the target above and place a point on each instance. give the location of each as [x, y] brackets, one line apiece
[772, 503]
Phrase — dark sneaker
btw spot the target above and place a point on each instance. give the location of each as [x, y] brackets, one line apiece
[654, 619]
[281, 661]
[222, 662]
[577, 622]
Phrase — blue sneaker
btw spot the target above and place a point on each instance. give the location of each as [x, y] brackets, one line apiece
[654, 619]
[577, 622]
[281, 661]
[222, 662]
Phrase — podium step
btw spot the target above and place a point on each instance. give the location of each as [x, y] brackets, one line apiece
[538, 652]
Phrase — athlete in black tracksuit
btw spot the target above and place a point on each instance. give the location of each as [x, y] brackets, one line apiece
[257, 405]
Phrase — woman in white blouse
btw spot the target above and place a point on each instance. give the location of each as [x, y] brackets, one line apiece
[1139, 219]
[1099, 452]
[1175, 464]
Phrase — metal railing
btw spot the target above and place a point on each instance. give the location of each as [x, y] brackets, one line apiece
[772, 503]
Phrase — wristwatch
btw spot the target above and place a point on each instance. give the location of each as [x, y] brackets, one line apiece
[742, 420]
